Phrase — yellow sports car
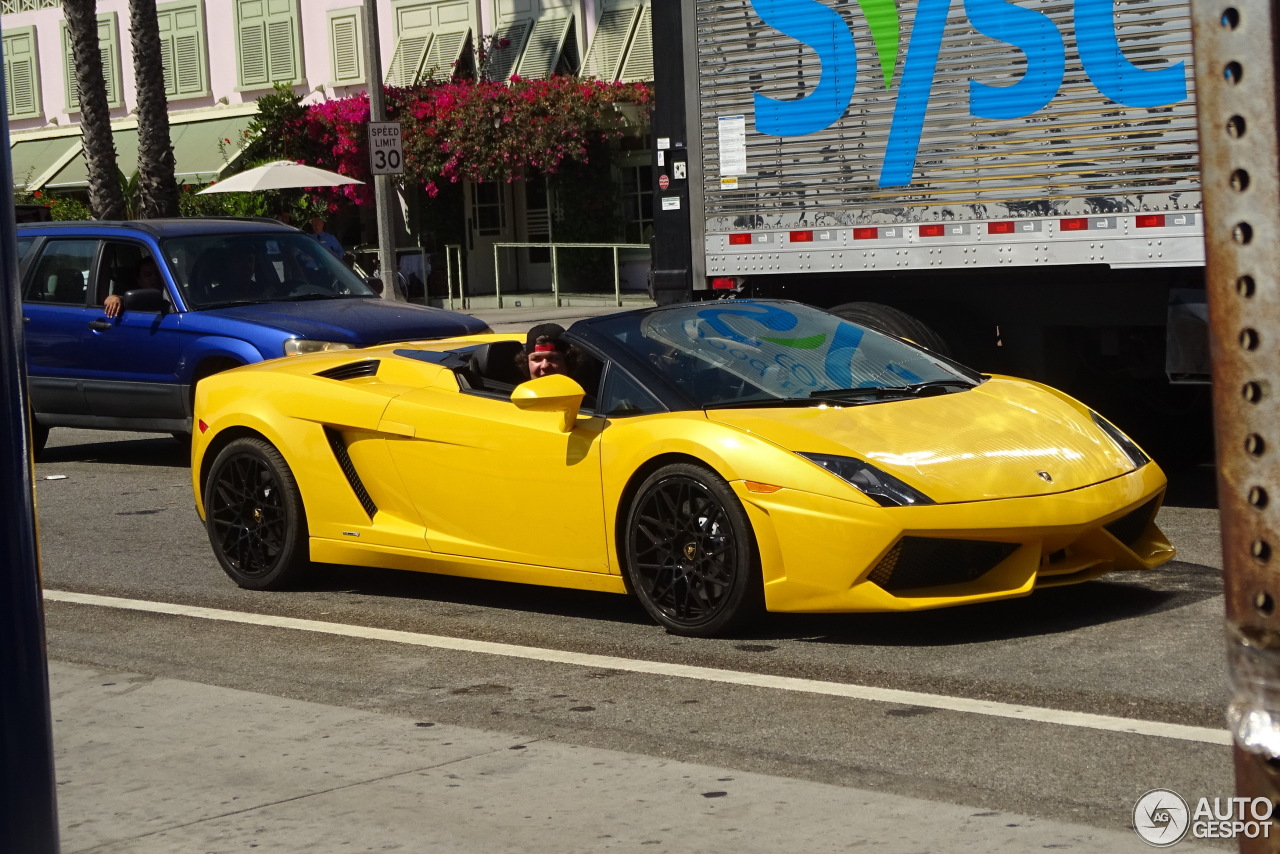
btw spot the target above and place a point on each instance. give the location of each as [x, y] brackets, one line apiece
[715, 459]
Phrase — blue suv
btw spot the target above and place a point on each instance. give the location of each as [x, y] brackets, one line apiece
[104, 352]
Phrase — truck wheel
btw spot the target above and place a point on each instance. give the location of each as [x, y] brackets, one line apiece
[887, 319]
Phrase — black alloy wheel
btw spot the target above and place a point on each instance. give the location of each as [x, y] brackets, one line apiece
[690, 553]
[254, 516]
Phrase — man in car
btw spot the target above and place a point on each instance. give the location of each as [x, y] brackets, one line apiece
[147, 276]
[546, 352]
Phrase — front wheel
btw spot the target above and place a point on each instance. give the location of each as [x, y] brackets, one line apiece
[255, 518]
[690, 553]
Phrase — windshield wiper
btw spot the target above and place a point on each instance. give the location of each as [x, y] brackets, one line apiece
[922, 389]
[760, 403]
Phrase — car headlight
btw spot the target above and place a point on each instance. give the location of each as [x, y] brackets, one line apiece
[298, 346]
[884, 488]
[1131, 450]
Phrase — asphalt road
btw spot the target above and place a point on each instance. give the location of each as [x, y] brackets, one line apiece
[117, 519]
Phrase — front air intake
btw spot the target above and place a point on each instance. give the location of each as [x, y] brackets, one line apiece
[1129, 527]
[917, 562]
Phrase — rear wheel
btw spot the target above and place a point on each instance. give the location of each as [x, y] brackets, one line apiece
[887, 319]
[255, 518]
[690, 553]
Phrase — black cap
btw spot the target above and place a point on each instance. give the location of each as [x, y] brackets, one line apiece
[546, 333]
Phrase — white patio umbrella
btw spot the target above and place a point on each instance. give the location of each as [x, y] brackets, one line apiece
[279, 175]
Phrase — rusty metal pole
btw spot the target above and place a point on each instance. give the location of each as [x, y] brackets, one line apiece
[1236, 88]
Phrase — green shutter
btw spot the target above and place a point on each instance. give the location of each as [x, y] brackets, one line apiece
[546, 43]
[182, 50]
[21, 74]
[639, 62]
[444, 53]
[108, 46]
[346, 55]
[267, 35]
[407, 61]
[604, 57]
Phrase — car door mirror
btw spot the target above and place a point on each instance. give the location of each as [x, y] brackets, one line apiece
[143, 299]
[555, 393]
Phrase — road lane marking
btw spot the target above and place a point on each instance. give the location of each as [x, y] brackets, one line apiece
[1037, 714]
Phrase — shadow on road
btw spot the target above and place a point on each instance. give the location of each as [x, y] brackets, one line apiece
[132, 449]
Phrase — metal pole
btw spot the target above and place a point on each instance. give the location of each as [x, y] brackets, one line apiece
[555, 277]
[383, 190]
[1237, 86]
[28, 804]
[497, 274]
[617, 280]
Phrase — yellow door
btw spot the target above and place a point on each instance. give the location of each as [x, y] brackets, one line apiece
[496, 482]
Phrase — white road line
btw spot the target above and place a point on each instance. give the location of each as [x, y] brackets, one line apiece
[1157, 729]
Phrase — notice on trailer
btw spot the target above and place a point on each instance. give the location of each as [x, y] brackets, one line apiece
[733, 145]
[386, 153]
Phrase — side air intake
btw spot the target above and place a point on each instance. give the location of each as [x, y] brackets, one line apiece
[353, 371]
[349, 469]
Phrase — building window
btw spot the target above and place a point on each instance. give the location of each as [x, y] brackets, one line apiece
[431, 40]
[182, 50]
[622, 46]
[346, 46]
[269, 44]
[637, 198]
[109, 46]
[21, 73]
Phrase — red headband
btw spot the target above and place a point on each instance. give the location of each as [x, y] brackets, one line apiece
[544, 348]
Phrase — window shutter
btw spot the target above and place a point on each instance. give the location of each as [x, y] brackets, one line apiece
[107, 46]
[346, 56]
[604, 57]
[182, 50]
[268, 41]
[503, 60]
[407, 60]
[639, 64]
[546, 43]
[21, 70]
[444, 54]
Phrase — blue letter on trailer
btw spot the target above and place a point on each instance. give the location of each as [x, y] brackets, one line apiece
[1035, 35]
[1116, 77]
[913, 93]
[823, 30]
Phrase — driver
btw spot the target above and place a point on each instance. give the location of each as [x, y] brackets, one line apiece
[146, 276]
[546, 352]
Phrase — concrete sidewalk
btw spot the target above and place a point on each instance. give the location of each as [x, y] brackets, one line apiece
[520, 319]
[159, 765]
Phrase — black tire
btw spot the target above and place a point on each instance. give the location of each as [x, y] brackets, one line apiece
[39, 438]
[690, 553]
[887, 319]
[254, 516]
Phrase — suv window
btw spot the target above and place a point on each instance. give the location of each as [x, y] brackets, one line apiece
[119, 268]
[62, 272]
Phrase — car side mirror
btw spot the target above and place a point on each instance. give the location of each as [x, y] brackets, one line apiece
[555, 393]
[144, 299]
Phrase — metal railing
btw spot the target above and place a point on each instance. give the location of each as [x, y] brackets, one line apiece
[452, 265]
[555, 272]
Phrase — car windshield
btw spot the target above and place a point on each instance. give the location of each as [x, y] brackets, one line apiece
[234, 269]
[743, 353]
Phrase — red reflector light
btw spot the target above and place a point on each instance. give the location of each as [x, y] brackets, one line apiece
[999, 228]
[801, 237]
[866, 233]
[1075, 223]
[724, 283]
[934, 230]
[739, 239]
[204, 428]
[1151, 221]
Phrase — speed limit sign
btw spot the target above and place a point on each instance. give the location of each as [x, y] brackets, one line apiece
[386, 154]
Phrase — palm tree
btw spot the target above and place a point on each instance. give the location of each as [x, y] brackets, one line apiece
[157, 187]
[106, 201]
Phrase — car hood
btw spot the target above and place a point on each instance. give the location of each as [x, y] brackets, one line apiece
[998, 440]
[363, 321]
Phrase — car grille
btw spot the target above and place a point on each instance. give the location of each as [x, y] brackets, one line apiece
[353, 371]
[916, 562]
[1129, 527]
[349, 469]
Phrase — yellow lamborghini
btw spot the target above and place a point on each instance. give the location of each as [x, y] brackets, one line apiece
[715, 460]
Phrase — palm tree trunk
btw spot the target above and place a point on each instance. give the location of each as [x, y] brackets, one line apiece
[106, 201]
[157, 187]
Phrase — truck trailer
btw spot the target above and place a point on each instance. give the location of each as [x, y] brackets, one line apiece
[1014, 183]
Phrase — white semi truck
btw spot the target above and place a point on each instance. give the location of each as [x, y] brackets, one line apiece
[1016, 181]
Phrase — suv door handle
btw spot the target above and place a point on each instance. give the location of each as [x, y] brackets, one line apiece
[99, 325]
